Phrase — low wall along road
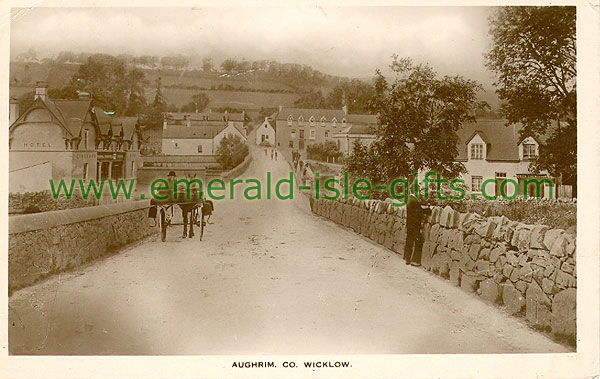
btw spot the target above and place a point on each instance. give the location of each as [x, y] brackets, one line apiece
[529, 269]
[47, 243]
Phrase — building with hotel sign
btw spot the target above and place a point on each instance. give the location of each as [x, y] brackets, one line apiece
[69, 139]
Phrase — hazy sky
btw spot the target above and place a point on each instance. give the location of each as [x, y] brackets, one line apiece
[348, 41]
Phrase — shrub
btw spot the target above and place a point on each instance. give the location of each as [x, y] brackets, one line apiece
[231, 152]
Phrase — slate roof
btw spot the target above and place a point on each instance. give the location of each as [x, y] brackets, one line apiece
[205, 116]
[359, 129]
[127, 124]
[503, 141]
[197, 131]
[329, 115]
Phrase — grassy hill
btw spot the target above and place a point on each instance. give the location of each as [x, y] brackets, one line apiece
[250, 91]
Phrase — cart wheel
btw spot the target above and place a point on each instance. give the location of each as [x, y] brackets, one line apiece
[202, 223]
[163, 226]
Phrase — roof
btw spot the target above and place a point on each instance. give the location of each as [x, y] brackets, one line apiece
[329, 115]
[359, 130]
[503, 141]
[127, 124]
[72, 113]
[205, 116]
[196, 131]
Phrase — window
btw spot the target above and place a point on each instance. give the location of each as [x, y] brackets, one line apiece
[300, 120]
[291, 144]
[343, 121]
[528, 151]
[85, 171]
[312, 121]
[323, 121]
[290, 119]
[476, 151]
[293, 133]
[301, 133]
[133, 169]
[199, 148]
[86, 137]
[501, 175]
[326, 133]
[476, 183]
[313, 134]
[176, 145]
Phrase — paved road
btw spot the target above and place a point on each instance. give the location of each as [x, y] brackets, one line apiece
[268, 278]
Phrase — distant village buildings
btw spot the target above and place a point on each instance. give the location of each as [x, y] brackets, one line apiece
[199, 133]
[69, 139]
[295, 128]
[265, 132]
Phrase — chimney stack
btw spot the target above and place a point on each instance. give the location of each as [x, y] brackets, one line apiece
[280, 107]
[164, 122]
[13, 111]
[41, 90]
[345, 109]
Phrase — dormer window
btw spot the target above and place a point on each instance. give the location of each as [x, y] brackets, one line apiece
[323, 119]
[343, 121]
[290, 119]
[300, 120]
[529, 151]
[312, 121]
[476, 151]
[334, 122]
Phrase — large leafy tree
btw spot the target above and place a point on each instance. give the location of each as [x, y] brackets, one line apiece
[231, 152]
[354, 94]
[199, 103]
[419, 115]
[533, 55]
[109, 80]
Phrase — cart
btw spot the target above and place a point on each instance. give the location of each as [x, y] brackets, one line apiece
[192, 207]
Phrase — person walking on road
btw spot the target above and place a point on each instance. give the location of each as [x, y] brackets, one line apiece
[275, 154]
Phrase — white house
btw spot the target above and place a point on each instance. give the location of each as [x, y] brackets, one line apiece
[197, 139]
[490, 150]
[265, 133]
[346, 138]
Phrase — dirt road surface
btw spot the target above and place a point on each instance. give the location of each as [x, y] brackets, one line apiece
[269, 278]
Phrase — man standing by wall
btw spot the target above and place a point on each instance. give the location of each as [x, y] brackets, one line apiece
[414, 239]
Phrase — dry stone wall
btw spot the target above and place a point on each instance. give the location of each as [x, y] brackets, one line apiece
[46, 243]
[528, 269]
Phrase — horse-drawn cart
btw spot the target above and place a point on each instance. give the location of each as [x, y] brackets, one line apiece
[193, 208]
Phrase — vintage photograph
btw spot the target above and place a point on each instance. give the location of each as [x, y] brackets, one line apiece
[275, 180]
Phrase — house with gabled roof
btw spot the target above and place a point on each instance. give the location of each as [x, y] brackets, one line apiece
[295, 128]
[490, 150]
[79, 139]
[203, 139]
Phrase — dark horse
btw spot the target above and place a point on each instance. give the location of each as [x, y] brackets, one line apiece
[189, 209]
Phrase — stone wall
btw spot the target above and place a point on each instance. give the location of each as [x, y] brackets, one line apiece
[530, 270]
[42, 201]
[237, 170]
[47, 243]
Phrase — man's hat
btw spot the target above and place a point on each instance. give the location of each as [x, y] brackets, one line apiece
[171, 173]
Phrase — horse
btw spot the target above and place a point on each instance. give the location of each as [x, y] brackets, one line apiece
[189, 208]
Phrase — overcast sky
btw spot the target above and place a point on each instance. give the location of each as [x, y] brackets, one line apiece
[349, 41]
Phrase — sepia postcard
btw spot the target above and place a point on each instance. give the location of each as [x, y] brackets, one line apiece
[300, 189]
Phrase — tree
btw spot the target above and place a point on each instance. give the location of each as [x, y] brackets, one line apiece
[199, 103]
[109, 81]
[207, 65]
[533, 56]
[325, 152]
[419, 115]
[159, 99]
[356, 95]
[137, 97]
[231, 151]
[312, 100]
[228, 65]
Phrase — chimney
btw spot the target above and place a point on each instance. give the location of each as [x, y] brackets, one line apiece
[280, 107]
[41, 89]
[13, 111]
[164, 122]
[345, 109]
